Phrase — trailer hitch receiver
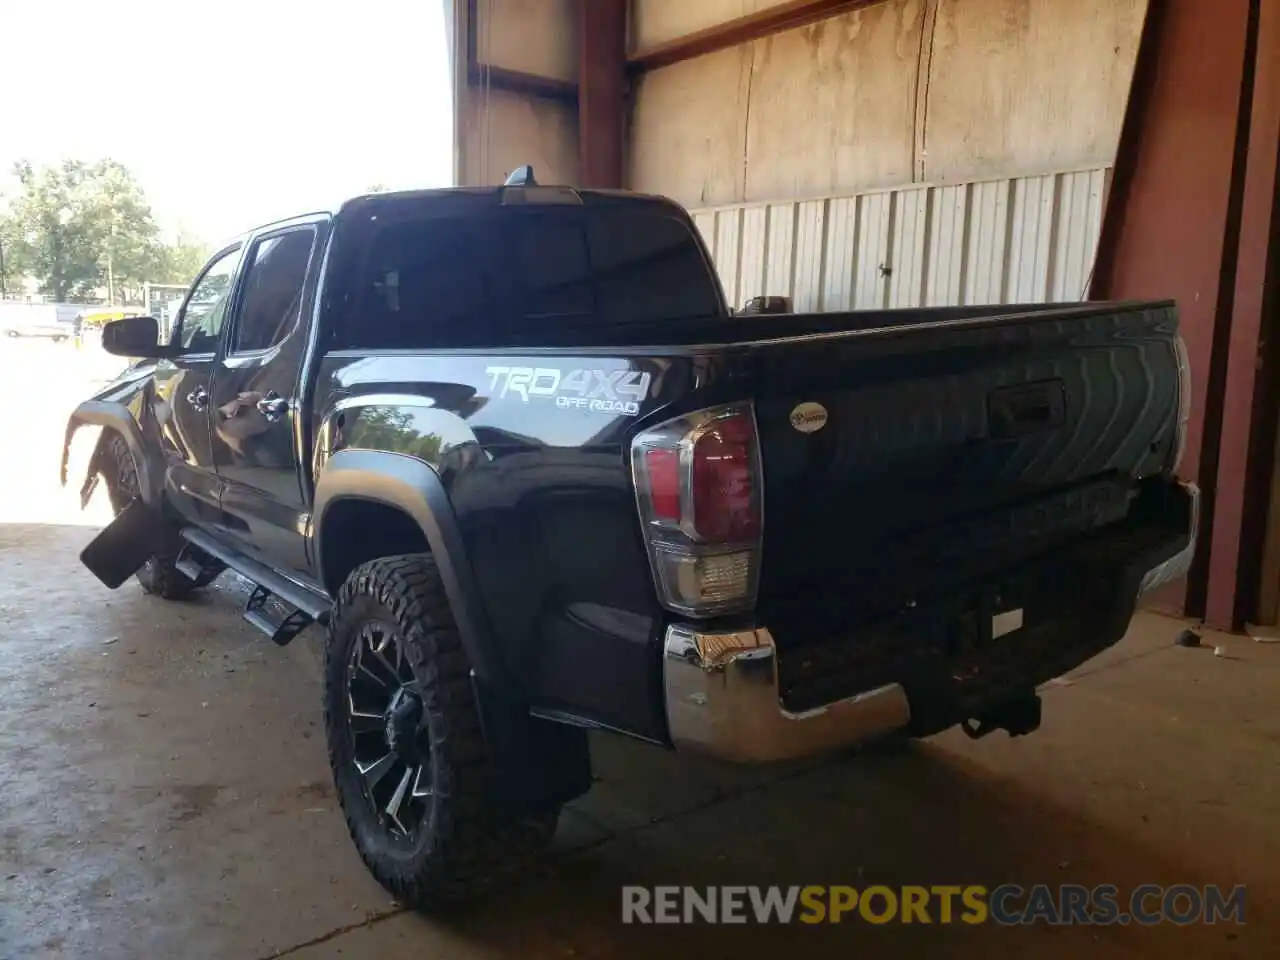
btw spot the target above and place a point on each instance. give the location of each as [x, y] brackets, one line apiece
[1017, 717]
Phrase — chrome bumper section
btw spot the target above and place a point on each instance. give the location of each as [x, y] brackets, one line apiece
[722, 701]
[1177, 566]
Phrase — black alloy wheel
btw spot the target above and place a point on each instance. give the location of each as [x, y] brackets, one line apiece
[390, 744]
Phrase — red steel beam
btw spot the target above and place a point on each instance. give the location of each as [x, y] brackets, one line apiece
[1248, 415]
[732, 33]
[602, 82]
[1171, 224]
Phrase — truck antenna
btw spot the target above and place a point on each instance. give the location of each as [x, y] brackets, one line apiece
[521, 177]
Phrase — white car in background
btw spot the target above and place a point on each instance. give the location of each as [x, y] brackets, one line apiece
[33, 320]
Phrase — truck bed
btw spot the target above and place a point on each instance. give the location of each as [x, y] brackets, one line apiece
[957, 441]
[748, 331]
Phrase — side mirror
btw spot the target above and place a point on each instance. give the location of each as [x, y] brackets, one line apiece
[134, 337]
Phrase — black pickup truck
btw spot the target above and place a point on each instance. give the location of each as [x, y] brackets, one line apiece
[513, 451]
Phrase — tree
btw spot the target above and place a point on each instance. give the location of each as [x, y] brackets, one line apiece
[179, 262]
[53, 238]
[11, 278]
[385, 428]
[124, 232]
[77, 227]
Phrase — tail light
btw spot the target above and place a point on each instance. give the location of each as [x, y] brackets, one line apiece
[1184, 404]
[698, 485]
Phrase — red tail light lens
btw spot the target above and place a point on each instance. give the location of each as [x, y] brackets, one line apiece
[724, 502]
[663, 469]
[698, 487]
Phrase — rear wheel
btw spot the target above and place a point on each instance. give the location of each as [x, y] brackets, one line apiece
[405, 743]
[159, 575]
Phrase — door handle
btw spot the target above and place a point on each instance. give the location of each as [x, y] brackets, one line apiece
[273, 407]
[198, 398]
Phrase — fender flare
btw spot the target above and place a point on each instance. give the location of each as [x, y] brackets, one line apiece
[414, 488]
[117, 417]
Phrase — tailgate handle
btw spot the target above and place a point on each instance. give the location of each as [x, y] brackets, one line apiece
[1026, 408]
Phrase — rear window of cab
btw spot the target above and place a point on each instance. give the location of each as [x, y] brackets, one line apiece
[505, 276]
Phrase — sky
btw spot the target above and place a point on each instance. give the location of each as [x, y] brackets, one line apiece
[232, 113]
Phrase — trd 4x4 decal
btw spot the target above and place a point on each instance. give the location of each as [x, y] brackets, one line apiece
[605, 391]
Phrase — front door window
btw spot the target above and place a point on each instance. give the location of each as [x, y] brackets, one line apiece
[200, 323]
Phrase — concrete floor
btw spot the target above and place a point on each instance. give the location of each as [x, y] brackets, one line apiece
[164, 790]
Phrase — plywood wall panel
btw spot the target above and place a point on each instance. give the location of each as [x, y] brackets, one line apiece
[688, 128]
[1025, 86]
[530, 36]
[654, 22]
[501, 131]
[906, 91]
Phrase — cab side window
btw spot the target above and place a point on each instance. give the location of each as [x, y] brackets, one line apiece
[426, 282]
[200, 323]
[274, 280]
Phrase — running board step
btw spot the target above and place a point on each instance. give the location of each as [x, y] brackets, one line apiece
[189, 568]
[282, 623]
[301, 605]
[196, 565]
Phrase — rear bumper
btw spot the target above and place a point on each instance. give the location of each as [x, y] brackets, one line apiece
[723, 696]
[722, 701]
[1177, 566]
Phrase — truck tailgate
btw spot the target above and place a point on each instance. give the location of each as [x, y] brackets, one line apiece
[899, 456]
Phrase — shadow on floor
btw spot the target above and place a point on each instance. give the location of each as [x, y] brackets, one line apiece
[917, 815]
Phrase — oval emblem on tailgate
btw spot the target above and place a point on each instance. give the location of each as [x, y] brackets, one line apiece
[809, 417]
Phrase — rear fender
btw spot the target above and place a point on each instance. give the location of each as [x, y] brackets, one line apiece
[411, 486]
[540, 763]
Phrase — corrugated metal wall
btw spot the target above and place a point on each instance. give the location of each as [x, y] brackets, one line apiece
[1018, 240]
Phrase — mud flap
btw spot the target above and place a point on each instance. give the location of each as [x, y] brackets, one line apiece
[124, 545]
[540, 763]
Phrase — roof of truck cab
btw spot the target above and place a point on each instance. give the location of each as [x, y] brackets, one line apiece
[463, 195]
[459, 197]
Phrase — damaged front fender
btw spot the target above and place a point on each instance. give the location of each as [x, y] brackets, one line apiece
[92, 473]
[118, 418]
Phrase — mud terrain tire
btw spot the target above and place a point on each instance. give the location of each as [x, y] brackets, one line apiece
[463, 844]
